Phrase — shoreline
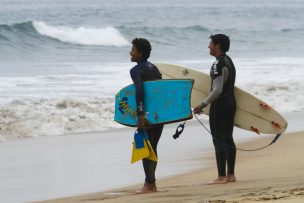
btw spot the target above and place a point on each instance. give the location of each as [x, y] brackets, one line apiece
[290, 116]
[270, 175]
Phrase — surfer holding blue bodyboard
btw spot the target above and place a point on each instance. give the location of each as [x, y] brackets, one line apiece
[222, 109]
[145, 71]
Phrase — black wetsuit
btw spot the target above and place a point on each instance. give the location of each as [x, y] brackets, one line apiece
[146, 71]
[221, 117]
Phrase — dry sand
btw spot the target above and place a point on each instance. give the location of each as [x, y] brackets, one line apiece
[275, 174]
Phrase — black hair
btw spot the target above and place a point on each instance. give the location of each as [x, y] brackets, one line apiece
[222, 40]
[143, 46]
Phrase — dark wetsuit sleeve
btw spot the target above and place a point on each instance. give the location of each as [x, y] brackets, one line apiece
[139, 87]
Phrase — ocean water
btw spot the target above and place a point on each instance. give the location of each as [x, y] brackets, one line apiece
[61, 62]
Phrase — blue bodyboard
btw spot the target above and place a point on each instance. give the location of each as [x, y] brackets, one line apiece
[165, 101]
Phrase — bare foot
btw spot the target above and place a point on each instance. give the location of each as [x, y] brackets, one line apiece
[219, 180]
[147, 188]
[231, 178]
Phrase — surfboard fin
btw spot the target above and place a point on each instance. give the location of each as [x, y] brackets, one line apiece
[264, 106]
[255, 130]
[142, 148]
[276, 125]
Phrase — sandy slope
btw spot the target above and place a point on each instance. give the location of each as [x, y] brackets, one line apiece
[274, 174]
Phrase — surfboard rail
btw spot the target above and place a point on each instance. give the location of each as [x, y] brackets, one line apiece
[252, 113]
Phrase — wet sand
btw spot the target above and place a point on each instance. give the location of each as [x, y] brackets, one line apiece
[274, 174]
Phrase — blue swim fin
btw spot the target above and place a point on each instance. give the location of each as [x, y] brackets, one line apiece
[140, 149]
[139, 139]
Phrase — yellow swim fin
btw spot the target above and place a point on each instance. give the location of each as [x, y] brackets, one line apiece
[152, 156]
[142, 148]
[138, 154]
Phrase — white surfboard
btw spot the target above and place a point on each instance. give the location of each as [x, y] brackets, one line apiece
[251, 114]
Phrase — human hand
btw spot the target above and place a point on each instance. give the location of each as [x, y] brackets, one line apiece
[198, 109]
[142, 122]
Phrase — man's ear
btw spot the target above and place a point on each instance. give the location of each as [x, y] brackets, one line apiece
[218, 48]
[140, 55]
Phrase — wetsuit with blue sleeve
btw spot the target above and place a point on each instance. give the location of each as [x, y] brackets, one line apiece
[146, 71]
[222, 112]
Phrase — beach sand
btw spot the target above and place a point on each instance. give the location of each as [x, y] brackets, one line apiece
[274, 174]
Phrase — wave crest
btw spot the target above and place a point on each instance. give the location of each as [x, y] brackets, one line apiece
[108, 36]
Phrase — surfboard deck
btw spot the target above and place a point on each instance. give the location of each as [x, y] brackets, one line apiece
[252, 113]
[165, 101]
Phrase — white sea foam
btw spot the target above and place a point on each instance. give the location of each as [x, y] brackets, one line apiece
[83, 100]
[107, 36]
[42, 105]
[32, 118]
[277, 81]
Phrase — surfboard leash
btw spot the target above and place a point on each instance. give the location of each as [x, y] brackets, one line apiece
[181, 127]
[179, 130]
[245, 150]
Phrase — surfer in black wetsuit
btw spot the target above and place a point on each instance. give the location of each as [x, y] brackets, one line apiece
[145, 71]
[222, 109]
